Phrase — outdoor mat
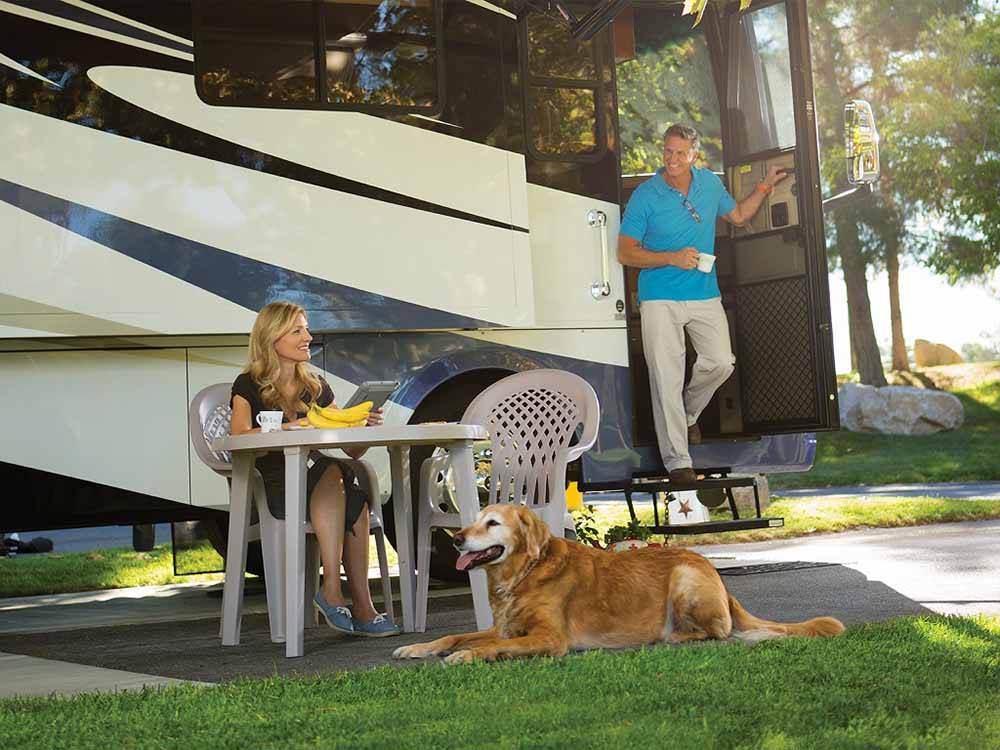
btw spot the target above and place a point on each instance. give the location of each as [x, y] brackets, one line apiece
[775, 567]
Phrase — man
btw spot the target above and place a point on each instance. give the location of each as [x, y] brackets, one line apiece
[669, 220]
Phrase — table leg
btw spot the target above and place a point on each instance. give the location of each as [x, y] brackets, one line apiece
[464, 474]
[402, 511]
[236, 552]
[295, 553]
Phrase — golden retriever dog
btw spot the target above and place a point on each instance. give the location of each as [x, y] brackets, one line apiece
[550, 595]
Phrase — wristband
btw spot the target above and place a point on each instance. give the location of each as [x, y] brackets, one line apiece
[763, 188]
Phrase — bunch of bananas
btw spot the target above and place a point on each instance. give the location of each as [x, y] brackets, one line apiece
[327, 418]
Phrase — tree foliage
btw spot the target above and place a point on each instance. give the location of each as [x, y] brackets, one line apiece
[946, 123]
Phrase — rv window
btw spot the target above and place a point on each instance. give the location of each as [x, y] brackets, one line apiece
[668, 81]
[564, 121]
[760, 82]
[553, 53]
[381, 53]
[258, 52]
[563, 93]
[378, 55]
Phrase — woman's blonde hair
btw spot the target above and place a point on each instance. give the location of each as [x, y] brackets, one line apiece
[274, 321]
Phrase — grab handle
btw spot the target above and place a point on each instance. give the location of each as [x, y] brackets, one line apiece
[599, 219]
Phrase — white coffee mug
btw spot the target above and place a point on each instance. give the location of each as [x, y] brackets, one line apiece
[270, 421]
[705, 262]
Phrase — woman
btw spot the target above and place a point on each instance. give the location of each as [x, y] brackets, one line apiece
[278, 377]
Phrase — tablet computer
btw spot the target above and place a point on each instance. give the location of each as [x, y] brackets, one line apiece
[376, 391]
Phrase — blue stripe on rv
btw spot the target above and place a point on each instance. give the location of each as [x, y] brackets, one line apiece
[247, 282]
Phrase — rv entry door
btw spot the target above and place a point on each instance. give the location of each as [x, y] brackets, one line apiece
[778, 287]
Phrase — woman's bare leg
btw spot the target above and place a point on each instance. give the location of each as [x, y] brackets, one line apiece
[327, 508]
[356, 567]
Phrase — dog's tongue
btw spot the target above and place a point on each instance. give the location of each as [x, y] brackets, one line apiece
[465, 560]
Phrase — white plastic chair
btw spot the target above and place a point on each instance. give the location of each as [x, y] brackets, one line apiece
[531, 417]
[208, 419]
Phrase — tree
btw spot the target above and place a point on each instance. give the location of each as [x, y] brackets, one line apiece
[858, 51]
[947, 121]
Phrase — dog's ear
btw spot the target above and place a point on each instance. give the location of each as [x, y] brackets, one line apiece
[536, 533]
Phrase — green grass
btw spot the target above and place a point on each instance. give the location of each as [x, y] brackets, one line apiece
[927, 682]
[69, 572]
[970, 453]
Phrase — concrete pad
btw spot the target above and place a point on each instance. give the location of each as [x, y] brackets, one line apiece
[30, 676]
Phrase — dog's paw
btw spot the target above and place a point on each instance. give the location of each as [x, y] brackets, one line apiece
[460, 657]
[413, 651]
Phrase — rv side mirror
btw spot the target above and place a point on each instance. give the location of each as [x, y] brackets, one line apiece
[861, 143]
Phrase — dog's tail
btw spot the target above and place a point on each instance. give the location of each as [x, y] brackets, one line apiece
[746, 627]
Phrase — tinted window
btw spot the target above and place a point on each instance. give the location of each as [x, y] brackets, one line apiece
[563, 120]
[553, 53]
[382, 53]
[760, 82]
[563, 90]
[258, 52]
[379, 54]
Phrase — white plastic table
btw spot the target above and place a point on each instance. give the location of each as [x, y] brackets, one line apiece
[457, 439]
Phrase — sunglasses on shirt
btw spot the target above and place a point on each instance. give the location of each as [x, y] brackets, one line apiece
[690, 208]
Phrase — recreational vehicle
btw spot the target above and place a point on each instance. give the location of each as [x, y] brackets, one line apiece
[439, 183]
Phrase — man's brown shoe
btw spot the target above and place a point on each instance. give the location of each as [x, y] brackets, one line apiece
[694, 435]
[684, 474]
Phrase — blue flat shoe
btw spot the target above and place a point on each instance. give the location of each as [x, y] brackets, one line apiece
[380, 627]
[339, 618]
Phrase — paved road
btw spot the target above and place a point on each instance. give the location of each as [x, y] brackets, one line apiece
[950, 568]
[964, 490]
[99, 537]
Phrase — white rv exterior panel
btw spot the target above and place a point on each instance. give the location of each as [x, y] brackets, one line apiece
[59, 283]
[117, 418]
[567, 260]
[408, 160]
[417, 256]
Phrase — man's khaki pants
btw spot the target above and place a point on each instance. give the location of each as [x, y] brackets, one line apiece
[674, 406]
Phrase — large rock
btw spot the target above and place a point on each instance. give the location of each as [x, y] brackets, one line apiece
[898, 409]
[929, 354]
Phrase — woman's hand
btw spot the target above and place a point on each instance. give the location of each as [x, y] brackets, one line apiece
[375, 419]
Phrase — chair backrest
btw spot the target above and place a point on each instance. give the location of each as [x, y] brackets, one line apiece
[531, 417]
[208, 418]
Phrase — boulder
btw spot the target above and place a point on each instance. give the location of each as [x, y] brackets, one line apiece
[929, 354]
[898, 410]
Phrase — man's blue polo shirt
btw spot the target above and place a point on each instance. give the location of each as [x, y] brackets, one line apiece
[657, 218]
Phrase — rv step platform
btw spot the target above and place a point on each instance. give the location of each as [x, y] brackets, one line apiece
[711, 478]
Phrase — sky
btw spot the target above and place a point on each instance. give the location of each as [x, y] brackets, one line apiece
[931, 309]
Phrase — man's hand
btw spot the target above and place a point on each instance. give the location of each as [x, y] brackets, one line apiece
[686, 257]
[774, 176]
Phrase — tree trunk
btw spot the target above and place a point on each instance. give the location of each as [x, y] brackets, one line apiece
[862, 329]
[850, 327]
[900, 362]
